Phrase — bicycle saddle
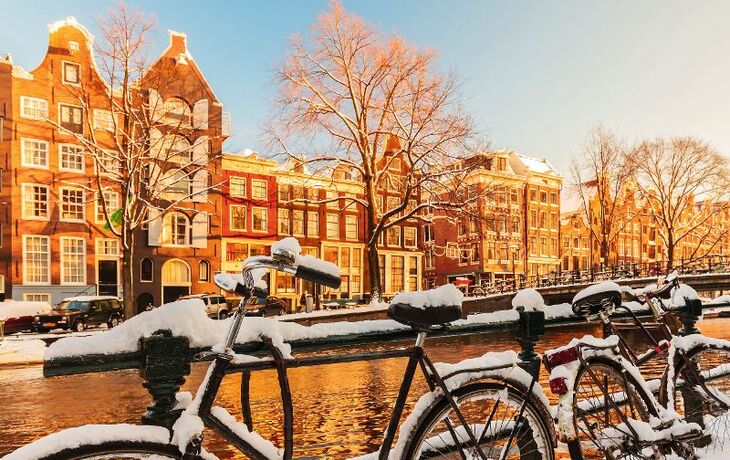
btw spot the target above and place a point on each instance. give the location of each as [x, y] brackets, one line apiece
[420, 318]
[596, 298]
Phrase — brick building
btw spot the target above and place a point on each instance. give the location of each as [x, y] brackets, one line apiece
[53, 238]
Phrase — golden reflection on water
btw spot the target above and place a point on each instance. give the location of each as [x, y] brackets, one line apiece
[340, 410]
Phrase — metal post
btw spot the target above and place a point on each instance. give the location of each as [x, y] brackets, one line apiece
[532, 326]
[166, 362]
[690, 314]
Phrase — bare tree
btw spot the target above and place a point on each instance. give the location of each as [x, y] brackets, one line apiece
[600, 177]
[684, 182]
[359, 100]
[137, 143]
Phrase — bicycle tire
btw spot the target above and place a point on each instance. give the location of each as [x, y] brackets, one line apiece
[636, 394]
[538, 416]
[717, 423]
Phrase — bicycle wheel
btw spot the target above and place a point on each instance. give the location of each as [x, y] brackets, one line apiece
[491, 410]
[598, 415]
[709, 373]
[117, 442]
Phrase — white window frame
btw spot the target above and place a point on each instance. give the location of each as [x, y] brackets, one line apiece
[414, 230]
[25, 259]
[100, 244]
[168, 240]
[241, 181]
[152, 279]
[83, 261]
[230, 218]
[63, 130]
[348, 222]
[60, 158]
[61, 203]
[265, 220]
[309, 232]
[30, 99]
[296, 212]
[99, 211]
[27, 296]
[327, 226]
[100, 122]
[254, 182]
[23, 205]
[207, 271]
[107, 161]
[63, 73]
[23, 161]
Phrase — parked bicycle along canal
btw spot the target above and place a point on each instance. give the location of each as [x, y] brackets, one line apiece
[340, 410]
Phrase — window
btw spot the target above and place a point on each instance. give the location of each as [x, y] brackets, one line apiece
[428, 233]
[145, 270]
[107, 247]
[396, 273]
[332, 195]
[204, 270]
[533, 219]
[515, 225]
[351, 227]
[392, 236]
[71, 118]
[543, 246]
[179, 182]
[37, 297]
[108, 163]
[543, 220]
[36, 259]
[103, 119]
[396, 164]
[177, 112]
[237, 186]
[34, 108]
[553, 198]
[111, 199]
[35, 202]
[260, 219]
[412, 273]
[34, 153]
[543, 197]
[313, 224]
[176, 229]
[259, 189]
[71, 73]
[284, 194]
[297, 223]
[73, 261]
[72, 204]
[238, 217]
[333, 227]
[514, 197]
[428, 258]
[409, 237]
[178, 149]
[71, 158]
[284, 222]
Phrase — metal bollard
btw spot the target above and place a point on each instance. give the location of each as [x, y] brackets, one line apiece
[532, 326]
[690, 314]
[165, 366]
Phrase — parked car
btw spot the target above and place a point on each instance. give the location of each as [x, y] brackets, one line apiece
[78, 313]
[215, 305]
[269, 306]
[18, 314]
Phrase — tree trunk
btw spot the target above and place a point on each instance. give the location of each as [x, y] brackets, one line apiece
[376, 291]
[604, 252]
[128, 274]
[670, 253]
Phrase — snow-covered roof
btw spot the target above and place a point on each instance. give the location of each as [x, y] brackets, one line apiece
[88, 298]
[537, 165]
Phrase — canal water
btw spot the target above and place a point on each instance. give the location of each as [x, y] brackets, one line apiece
[340, 410]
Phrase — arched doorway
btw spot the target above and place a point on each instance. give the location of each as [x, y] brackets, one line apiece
[176, 280]
[144, 301]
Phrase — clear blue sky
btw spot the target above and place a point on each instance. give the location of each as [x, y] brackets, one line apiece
[536, 75]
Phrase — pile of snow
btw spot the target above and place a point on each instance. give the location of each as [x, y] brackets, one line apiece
[606, 286]
[16, 352]
[722, 299]
[446, 295]
[530, 299]
[682, 294]
[307, 261]
[17, 309]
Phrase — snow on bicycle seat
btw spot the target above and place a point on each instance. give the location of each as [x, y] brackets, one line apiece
[427, 308]
[596, 298]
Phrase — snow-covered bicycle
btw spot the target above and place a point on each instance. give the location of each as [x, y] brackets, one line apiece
[485, 408]
[606, 407]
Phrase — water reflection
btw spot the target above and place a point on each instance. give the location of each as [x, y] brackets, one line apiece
[340, 410]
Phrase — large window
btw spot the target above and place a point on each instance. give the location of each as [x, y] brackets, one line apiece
[176, 229]
[33, 107]
[396, 273]
[238, 217]
[260, 218]
[37, 297]
[71, 73]
[177, 112]
[333, 227]
[284, 222]
[111, 199]
[351, 227]
[312, 224]
[297, 223]
[72, 204]
[35, 202]
[36, 259]
[236, 252]
[71, 158]
[34, 153]
[237, 186]
[259, 189]
[71, 118]
[409, 237]
[103, 119]
[393, 236]
[73, 261]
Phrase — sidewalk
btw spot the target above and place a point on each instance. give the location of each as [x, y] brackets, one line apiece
[21, 352]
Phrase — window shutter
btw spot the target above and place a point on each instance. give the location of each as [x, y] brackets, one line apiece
[226, 124]
[200, 184]
[200, 230]
[156, 103]
[154, 231]
[201, 150]
[200, 114]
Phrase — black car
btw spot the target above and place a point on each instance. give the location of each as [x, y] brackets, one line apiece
[78, 313]
[270, 306]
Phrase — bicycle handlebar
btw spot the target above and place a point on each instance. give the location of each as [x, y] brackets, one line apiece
[318, 276]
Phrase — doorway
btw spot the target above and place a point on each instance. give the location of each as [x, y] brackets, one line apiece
[107, 278]
[176, 280]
